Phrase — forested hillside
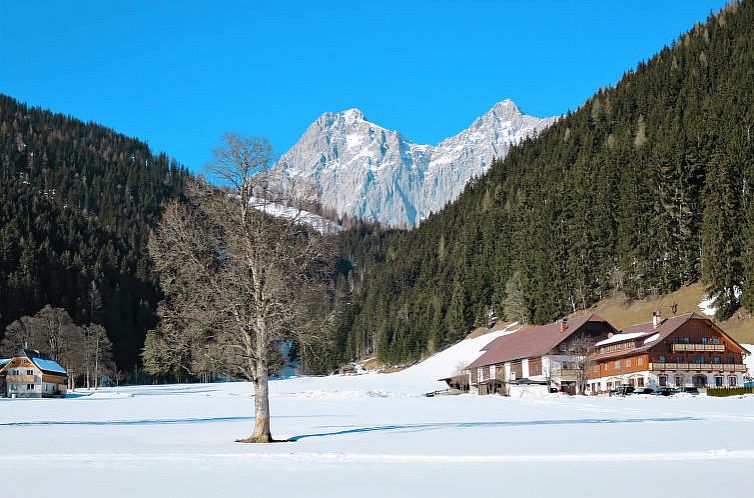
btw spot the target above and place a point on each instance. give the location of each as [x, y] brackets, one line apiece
[76, 204]
[644, 188]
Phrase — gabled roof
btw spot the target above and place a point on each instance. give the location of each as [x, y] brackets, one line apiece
[43, 362]
[531, 341]
[643, 332]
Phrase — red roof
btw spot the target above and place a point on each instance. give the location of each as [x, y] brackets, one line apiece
[530, 342]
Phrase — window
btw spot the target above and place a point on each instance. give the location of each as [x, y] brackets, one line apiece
[29, 387]
[640, 360]
[715, 340]
[686, 340]
[617, 364]
[679, 381]
[732, 381]
[662, 380]
[698, 360]
[627, 362]
[718, 381]
[661, 359]
[640, 382]
[605, 366]
[700, 380]
[596, 369]
[705, 340]
[609, 385]
[676, 340]
[632, 382]
[716, 360]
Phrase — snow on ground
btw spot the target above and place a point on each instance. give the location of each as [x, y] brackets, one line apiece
[374, 435]
[707, 305]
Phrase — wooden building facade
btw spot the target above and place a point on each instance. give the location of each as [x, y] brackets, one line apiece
[681, 351]
[31, 374]
[552, 354]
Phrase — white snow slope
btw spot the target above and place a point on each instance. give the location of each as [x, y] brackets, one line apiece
[370, 172]
[374, 435]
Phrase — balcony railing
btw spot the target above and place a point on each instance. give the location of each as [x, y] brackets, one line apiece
[21, 379]
[698, 347]
[698, 367]
[567, 372]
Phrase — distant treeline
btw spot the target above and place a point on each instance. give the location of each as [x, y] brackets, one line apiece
[645, 188]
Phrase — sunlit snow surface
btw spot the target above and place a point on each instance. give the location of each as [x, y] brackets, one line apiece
[373, 435]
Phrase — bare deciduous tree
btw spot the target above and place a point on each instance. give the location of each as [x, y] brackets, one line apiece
[83, 351]
[97, 354]
[239, 282]
[579, 346]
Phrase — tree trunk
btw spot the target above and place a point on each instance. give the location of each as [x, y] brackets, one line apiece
[261, 432]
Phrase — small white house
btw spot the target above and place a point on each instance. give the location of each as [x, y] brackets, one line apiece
[31, 374]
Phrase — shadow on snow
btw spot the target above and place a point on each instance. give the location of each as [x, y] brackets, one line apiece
[465, 425]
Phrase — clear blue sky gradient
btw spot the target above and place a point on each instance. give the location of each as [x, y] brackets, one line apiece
[179, 74]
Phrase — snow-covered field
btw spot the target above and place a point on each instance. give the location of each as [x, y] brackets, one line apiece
[374, 435]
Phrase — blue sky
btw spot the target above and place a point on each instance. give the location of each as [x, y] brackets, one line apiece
[179, 74]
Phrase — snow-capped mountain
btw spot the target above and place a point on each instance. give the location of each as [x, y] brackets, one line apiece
[373, 173]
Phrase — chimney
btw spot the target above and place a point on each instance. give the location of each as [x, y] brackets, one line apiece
[656, 319]
[563, 324]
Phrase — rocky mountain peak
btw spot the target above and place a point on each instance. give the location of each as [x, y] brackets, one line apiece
[367, 171]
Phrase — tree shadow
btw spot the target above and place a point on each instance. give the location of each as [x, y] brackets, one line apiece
[467, 425]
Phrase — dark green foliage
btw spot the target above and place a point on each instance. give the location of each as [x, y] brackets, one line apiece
[645, 188]
[729, 391]
[76, 204]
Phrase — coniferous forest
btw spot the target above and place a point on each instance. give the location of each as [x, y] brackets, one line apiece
[645, 188]
[76, 204]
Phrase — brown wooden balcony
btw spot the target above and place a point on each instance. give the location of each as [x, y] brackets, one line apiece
[698, 367]
[698, 347]
[21, 379]
[567, 373]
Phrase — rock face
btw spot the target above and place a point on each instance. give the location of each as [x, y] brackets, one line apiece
[369, 172]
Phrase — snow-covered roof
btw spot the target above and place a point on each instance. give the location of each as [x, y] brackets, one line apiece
[4, 361]
[620, 338]
[651, 338]
[43, 362]
[48, 365]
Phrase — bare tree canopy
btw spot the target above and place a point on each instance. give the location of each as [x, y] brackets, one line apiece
[238, 282]
[85, 352]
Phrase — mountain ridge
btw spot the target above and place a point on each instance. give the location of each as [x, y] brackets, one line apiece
[367, 171]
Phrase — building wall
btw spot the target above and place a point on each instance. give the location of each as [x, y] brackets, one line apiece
[652, 379]
[535, 366]
[619, 366]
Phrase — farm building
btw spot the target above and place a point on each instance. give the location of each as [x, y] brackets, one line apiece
[553, 354]
[31, 374]
[681, 351]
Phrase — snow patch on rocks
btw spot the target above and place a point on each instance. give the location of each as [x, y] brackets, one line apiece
[367, 171]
